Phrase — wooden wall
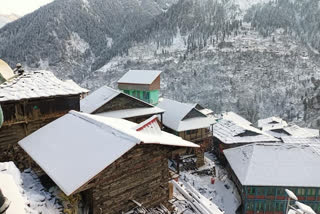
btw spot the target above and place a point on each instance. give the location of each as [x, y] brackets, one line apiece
[141, 174]
[155, 85]
[22, 118]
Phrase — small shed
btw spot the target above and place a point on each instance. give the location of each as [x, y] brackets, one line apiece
[186, 121]
[112, 162]
[109, 102]
[142, 84]
[30, 101]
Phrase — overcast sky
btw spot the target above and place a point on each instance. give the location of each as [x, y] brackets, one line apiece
[20, 7]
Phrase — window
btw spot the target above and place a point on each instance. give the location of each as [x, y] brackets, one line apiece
[259, 206]
[279, 206]
[311, 192]
[260, 190]
[250, 206]
[251, 190]
[301, 191]
[280, 191]
[192, 132]
[269, 206]
[146, 95]
[126, 92]
[270, 191]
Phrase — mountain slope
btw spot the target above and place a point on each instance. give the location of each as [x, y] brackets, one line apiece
[70, 35]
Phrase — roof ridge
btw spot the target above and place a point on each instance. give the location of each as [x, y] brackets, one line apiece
[103, 126]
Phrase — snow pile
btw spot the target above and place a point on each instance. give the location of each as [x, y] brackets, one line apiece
[222, 194]
[25, 192]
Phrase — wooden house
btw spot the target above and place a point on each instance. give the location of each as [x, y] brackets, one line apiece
[262, 172]
[186, 121]
[108, 102]
[113, 163]
[229, 134]
[142, 84]
[30, 101]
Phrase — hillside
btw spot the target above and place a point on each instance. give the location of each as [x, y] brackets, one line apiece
[209, 54]
[69, 36]
[255, 76]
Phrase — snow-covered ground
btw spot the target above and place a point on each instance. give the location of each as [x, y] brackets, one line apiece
[25, 192]
[222, 193]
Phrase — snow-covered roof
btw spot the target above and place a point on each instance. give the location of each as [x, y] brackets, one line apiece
[36, 84]
[297, 131]
[143, 77]
[271, 123]
[231, 116]
[60, 147]
[301, 140]
[105, 94]
[175, 113]
[97, 99]
[134, 112]
[229, 132]
[289, 165]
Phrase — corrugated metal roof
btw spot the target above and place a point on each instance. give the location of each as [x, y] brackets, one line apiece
[237, 119]
[59, 148]
[229, 132]
[301, 140]
[140, 77]
[36, 84]
[288, 165]
[297, 131]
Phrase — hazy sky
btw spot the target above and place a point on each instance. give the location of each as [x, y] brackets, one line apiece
[20, 7]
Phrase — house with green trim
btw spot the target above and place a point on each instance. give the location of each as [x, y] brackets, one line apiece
[262, 172]
[142, 84]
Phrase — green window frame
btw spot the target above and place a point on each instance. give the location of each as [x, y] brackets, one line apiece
[260, 190]
[301, 192]
[250, 206]
[251, 190]
[126, 92]
[311, 192]
[259, 206]
[269, 205]
[271, 191]
[280, 191]
[146, 95]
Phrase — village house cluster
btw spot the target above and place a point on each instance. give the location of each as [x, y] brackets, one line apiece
[112, 146]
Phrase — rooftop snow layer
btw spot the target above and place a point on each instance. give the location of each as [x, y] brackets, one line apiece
[144, 77]
[105, 94]
[60, 147]
[97, 99]
[272, 123]
[288, 165]
[297, 131]
[231, 116]
[229, 132]
[175, 112]
[301, 140]
[37, 84]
